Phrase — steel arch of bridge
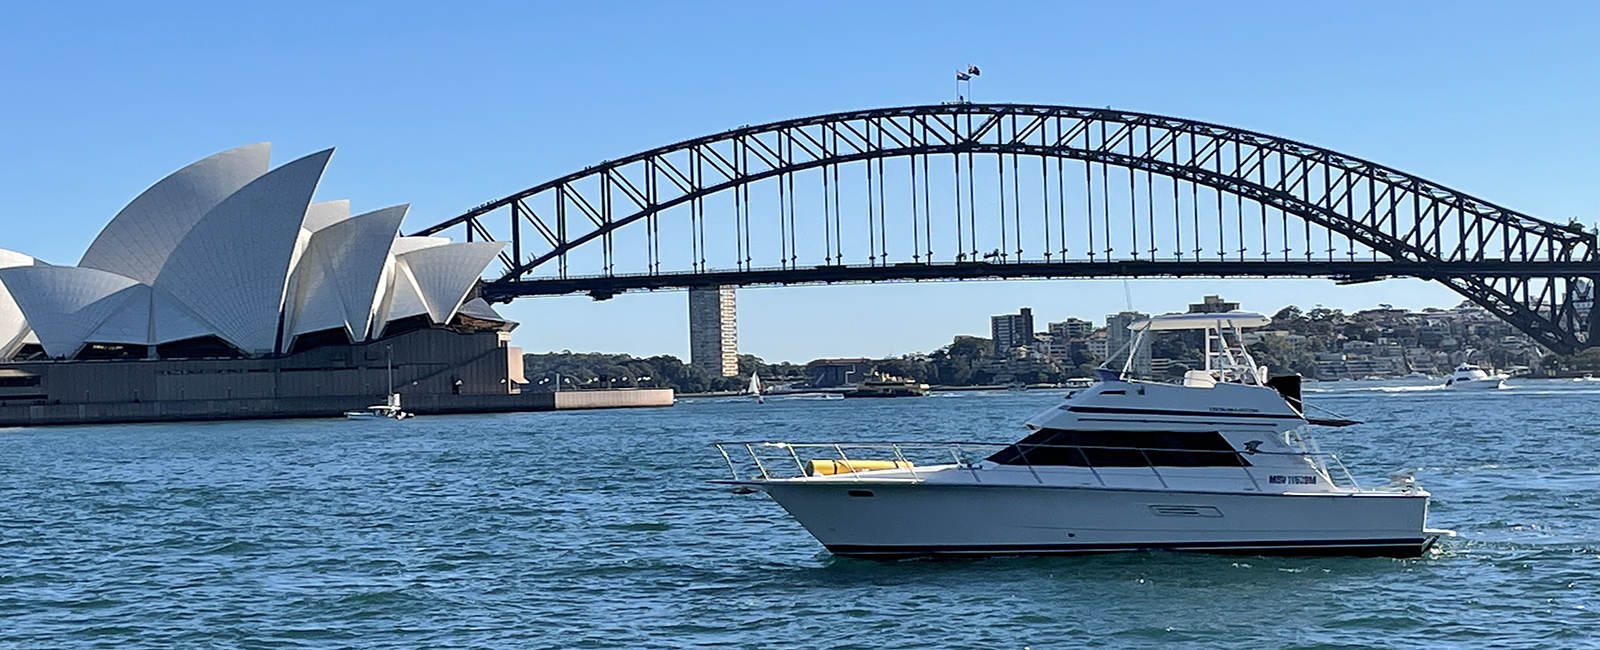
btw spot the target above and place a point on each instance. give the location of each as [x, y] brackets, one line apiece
[1536, 275]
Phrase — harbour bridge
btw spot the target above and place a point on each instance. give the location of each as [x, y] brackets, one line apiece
[974, 191]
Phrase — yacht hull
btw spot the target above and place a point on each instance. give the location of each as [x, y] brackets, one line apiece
[1480, 384]
[888, 520]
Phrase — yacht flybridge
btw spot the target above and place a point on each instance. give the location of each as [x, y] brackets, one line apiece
[1218, 462]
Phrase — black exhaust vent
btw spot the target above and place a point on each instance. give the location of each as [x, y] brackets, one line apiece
[1289, 387]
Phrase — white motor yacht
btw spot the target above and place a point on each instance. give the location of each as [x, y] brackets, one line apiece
[1471, 377]
[1219, 462]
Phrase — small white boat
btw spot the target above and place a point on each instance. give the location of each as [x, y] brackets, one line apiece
[1217, 463]
[390, 410]
[1077, 382]
[1471, 377]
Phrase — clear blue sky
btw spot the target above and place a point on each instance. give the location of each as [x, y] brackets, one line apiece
[446, 106]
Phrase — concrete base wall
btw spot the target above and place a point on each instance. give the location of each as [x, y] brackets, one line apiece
[434, 370]
[308, 407]
[610, 399]
[562, 401]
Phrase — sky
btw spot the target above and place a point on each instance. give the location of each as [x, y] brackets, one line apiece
[447, 106]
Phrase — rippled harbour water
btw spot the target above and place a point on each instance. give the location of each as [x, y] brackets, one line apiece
[600, 530]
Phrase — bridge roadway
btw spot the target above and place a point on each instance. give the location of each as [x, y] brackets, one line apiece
[602, 287]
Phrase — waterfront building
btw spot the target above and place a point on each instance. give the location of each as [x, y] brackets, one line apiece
[828, 373]
[714, 330]
[1011, 330]
[225, 291]
[1071, 328]
[1212, 305]
[1067, 337]
[227, 258]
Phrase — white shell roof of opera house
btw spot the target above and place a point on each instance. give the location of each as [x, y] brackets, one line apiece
[230, 248]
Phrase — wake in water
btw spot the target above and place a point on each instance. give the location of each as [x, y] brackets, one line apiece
[1377, 389]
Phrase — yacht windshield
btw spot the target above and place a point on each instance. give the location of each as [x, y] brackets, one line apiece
[1121, 449]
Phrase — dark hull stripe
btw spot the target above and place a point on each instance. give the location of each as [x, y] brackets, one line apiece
[1206, 414]
[1344, 547]
[882, 484]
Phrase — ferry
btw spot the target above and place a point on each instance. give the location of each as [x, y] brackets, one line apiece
[887, 386]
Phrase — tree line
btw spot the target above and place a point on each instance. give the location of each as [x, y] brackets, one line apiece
[967, 361]
[971, 360]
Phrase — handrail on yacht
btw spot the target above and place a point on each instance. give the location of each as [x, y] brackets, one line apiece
[1024, 456]
[962, 453]
[1342, 469]
[1152, 467]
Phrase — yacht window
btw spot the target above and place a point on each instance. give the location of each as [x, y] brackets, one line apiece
[1121, 449]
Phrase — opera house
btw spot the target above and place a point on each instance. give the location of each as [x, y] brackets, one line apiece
[224, 291]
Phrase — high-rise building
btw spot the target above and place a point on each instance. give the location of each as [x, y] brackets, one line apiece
[1068, 335]
[1117, 334]
[1071, 328]
[1011, 330]
[714, 330]
[1098, 346]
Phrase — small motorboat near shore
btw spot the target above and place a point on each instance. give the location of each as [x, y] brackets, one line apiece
[390, 409]
[1218, 463]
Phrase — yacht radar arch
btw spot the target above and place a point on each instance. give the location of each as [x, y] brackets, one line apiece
[1221, 359]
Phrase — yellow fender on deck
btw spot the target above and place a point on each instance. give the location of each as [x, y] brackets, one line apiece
[828, 467]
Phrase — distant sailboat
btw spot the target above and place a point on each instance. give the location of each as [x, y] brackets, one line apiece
[755, 388]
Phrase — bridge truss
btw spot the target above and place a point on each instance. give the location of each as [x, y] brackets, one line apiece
[957, 191]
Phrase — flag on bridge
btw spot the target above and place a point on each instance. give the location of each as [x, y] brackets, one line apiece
[962, 76]
[973, 70]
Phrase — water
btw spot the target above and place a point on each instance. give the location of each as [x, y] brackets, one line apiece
[598, 530]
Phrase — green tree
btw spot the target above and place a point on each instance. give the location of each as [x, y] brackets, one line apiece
[905, 366]
[750, 364]
[1281, 356]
